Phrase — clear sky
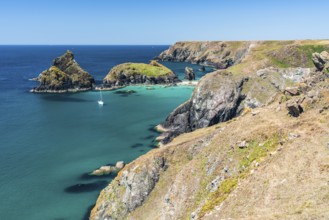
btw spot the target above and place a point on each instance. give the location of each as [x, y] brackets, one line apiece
[159, 22]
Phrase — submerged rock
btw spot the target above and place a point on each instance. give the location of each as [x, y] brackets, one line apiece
[139, 73]
[65, 75]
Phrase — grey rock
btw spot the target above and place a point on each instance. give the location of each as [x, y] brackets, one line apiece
[320, 59]
[119, 165]
[189, 73]
[213, 101]
[294, 107]
[129, 190]
[242, 144]
[293, 91]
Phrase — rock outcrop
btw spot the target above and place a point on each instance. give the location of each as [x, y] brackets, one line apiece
[139, 73]
[230, 170]
[321, 60]
[131, 187]
[189, 74]
[65, 75]
[216, 99]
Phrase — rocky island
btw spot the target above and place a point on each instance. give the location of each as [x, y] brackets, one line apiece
[139, 73]
[251, 142]
[65, 75]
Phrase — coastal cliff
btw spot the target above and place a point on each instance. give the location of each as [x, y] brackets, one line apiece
[251, 142]
[139, 73]
[65, 75]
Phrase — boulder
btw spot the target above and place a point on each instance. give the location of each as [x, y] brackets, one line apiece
[103, 170]
[320, 59]
[119, 165]
[242, 144]
[294, 107]
[189, 74]
[293, 91]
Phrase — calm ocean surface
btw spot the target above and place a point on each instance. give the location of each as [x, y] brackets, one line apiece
[49, 142]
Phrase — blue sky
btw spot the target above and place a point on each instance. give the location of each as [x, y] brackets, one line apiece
[159, 22]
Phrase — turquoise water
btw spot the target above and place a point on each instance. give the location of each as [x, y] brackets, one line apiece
[48, 142]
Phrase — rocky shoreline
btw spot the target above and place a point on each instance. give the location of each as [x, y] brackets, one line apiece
[213, 143]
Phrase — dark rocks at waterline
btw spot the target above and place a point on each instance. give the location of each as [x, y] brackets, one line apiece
[125, 92]
[189, 74]
[153, 129]
[87, 176]
[136, 145]
[149, 137]
[86, 187]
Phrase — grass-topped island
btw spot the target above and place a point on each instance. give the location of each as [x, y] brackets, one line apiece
[139, 73]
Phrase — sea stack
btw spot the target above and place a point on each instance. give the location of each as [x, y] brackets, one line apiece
[139, 73]
[65, 75]
[189, 73]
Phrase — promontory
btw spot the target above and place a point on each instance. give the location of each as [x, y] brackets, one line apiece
[65, 75]
[139, 73]
[251, 143]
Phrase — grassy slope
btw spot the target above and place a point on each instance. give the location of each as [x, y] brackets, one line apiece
[273, 178]
[280, 54]
[151, 70]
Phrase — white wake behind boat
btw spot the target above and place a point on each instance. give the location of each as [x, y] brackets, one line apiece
[100, 102]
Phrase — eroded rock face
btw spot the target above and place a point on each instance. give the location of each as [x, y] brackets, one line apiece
[65, 75]
[129, 190]
[220, 55]
[189, 73]
[215, 99]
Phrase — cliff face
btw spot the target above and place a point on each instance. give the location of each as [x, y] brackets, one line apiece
[217, 54]
[245, 155]
[254, 81]
[65, 75]
[213, 101]
[139, 73]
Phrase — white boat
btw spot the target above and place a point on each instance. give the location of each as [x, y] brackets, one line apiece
[100, 102]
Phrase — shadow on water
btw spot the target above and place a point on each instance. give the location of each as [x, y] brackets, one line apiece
[86, 187]
[150, 137]
[87, 213]
[87, 176]
[63, 98]
[136, 145]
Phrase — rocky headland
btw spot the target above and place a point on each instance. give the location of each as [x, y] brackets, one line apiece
[252, 142]
[139, 74]
[65, 75]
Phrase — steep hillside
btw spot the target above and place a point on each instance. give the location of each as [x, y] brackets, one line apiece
[256, 147]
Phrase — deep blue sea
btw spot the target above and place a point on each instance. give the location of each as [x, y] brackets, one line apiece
[49, 142]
